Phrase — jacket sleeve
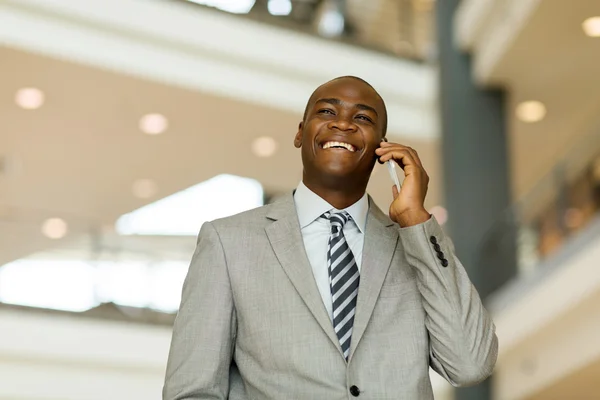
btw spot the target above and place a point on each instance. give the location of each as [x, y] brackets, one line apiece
[205, 326]
[463, 346]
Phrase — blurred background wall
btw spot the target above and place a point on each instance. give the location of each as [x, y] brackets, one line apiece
[125, 124]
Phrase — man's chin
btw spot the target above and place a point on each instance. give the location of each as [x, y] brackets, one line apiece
[339, 173]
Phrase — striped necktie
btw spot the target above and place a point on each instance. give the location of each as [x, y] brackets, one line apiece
[343, 279]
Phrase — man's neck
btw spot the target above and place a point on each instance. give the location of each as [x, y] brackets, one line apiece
[339, 198]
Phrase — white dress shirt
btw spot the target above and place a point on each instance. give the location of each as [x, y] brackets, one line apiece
[316, 232]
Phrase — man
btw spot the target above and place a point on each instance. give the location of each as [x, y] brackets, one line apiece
[321, 295]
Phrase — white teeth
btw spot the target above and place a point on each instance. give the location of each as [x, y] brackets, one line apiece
[347, 146]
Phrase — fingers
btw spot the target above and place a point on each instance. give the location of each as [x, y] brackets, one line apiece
[404, 155]
[413, 152]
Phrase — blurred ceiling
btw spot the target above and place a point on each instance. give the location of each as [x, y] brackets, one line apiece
[538, 50]
[78, 155]
[554, 62]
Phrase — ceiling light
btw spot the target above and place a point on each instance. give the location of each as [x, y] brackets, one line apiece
[332, 21]
[279, 7]
[154, 124]
[440, 214]
[144, 188]
[54, 228]
[591, 26]
[264, 146]
[332, 24]
[29, 98]
[531, 111]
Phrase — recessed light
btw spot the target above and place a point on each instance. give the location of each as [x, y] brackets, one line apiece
[531, 111]
[440, 214]
[54, 228]
[264, 146]
[144, 188]
[332, 22]
[153, 124]
[29, 98]
[591, 26]
[279, 7]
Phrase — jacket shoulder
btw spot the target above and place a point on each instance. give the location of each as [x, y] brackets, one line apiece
[252, 217]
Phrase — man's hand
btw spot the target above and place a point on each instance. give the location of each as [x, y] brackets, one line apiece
[408, 208]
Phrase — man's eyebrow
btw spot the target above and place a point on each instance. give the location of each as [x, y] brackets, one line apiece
[338, 102]
[366, 108]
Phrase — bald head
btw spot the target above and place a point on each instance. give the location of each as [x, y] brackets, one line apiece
[313, 98]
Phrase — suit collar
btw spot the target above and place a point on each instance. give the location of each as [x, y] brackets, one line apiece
[281, 208]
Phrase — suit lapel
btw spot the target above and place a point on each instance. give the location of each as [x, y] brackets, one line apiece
[286, 239]
[381, 238]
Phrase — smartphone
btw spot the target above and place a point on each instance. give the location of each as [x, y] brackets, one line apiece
[391, 167]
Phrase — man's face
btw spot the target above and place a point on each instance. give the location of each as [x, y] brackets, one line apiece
[342, 129]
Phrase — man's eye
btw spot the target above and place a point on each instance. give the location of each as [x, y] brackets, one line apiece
[326, 111]
[364, 118]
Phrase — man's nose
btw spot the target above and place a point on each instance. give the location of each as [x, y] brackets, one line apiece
[342, 124]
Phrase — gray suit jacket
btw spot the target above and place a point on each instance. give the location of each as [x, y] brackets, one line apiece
[252, 324]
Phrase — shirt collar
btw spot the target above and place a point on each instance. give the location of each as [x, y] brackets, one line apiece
[311, 206]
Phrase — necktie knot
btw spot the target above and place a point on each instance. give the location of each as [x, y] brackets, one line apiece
[337, 220]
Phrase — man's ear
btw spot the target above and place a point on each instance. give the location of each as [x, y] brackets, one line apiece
[298, 137]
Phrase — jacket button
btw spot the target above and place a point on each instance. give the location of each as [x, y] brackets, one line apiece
[433, 239]
[440, 255]
[444, 262]
[354, 390]
[437, 247]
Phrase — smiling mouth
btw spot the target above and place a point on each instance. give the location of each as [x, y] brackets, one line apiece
[338, 145]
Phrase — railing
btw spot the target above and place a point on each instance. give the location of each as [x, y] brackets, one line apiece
[400, 27]
[558, 207]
